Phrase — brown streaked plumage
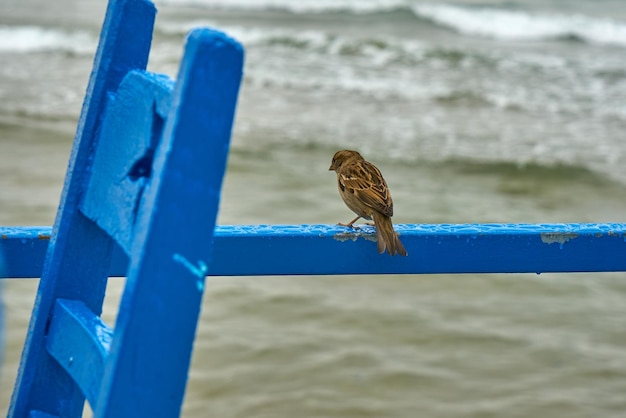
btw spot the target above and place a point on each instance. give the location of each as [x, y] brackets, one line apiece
[365, 192]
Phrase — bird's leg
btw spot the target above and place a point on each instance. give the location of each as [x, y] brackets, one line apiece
[351, 223]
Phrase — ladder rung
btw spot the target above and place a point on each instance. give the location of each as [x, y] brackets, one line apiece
[79, 341]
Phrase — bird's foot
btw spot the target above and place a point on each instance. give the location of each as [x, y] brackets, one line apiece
[349, 225]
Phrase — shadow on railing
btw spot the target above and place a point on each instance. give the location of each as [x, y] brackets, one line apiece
[140, 200]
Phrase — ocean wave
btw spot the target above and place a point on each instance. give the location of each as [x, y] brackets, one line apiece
[381, 48]
[385, 66]
[491, 22]
[522, 25]
[300, 6]
[26, 39]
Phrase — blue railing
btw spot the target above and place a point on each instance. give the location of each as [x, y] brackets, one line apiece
[140, 200]
[257, 250]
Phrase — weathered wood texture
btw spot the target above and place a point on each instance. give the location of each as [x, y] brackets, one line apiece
[329, 249]
[148, 158]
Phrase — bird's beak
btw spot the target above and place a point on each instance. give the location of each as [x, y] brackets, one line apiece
[331, 168]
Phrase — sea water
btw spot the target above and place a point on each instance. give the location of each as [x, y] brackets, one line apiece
[475, 111]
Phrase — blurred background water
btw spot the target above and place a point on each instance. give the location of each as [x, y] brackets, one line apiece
[475, 111]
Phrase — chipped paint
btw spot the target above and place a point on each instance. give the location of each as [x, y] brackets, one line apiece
[558, 237]
[44, 237]
[353, 236]
[617, 234]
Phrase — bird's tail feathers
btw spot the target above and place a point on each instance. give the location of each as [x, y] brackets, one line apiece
[386, 236]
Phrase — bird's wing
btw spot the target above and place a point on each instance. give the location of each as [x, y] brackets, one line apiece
[369, 186]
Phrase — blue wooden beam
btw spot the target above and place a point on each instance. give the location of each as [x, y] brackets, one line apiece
[173, 222]
[328, 249]
[71, 270]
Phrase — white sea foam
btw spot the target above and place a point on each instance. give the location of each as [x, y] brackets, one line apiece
[477, 21]
[510, 24]
[310, 40]
[249, 35]
[301, 6]
[24, 39]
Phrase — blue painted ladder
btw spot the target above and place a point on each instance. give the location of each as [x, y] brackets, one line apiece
[140, 200]
[144, 179]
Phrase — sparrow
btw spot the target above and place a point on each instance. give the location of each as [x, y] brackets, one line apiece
[365, 192]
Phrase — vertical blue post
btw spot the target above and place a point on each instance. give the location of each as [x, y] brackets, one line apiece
[151, 350]
[77, 260]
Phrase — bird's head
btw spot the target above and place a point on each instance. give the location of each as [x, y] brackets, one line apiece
[342, 157]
